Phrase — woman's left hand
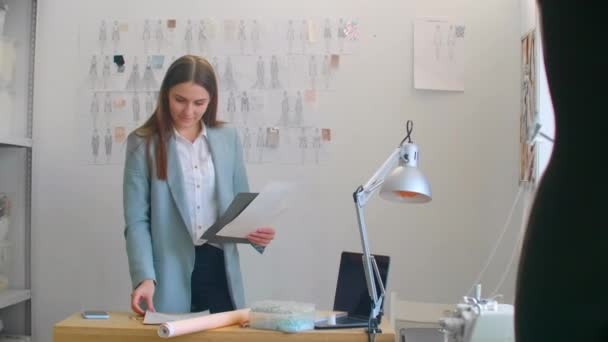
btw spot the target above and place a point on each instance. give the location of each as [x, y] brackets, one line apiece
[261, 236]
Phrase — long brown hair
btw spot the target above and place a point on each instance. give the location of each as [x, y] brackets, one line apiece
[159, 126]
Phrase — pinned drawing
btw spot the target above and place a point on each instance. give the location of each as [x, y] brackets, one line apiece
[134, 81]
[115, 36]
[438, 54]
[146, 36]
[304, 36]
[437, 41]
[119, 61]
[135, 106]
[260, 74]
[231, 106]
[327, 35]
[94, 109]
[451, 42]
[120, 135]
[316, 145]
[188, 37]
[105, 72]
[242, 36]
[93, 74]
[244, 105]
[107, 107]
[149, 103]
[203, 38]
[326, 71]
[299, 108]
[169, 36]
[528, 114]
[228, 77]
[215, 63]
[148, 80]
[312, 71]
[291, 36]
[255, 36]
[284, 119]
[303, 144]
[274, 72]
[159, 35]
[272, 137]
[246, 144]
[107, 103]
[108, 144]
[260, 144]
[95, 140]
[103, 36]
[341, 34]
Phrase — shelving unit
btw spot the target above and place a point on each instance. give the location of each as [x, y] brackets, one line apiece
[17, 47]
[11, 297]
[15, 142]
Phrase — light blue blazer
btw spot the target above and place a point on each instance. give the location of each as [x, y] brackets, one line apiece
[159, 244]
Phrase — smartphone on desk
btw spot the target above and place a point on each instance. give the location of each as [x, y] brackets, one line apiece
[95, 314]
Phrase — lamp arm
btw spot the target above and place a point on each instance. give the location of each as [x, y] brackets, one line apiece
[367, 258]
[361, 195]
[378, 306]
[378, 177]
[368, 263]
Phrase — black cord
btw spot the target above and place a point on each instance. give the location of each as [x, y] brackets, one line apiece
[409, 127]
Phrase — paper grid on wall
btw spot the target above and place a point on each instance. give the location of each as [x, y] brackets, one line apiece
[272, 75]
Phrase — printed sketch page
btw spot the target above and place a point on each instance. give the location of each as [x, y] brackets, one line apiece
[438, 54]
[239, 203]
[262, 212]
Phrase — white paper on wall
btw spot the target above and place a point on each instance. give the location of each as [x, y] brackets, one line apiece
[438, 54]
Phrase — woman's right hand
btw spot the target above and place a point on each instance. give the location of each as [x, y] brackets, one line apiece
[143, 292]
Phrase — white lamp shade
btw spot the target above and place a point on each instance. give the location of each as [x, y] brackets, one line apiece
[406, 184]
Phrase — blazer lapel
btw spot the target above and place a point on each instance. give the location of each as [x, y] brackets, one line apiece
[215, 148]
[175, 180]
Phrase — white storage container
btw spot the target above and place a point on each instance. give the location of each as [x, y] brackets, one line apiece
[283, 316]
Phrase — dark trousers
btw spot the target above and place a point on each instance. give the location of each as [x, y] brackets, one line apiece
[209, 284]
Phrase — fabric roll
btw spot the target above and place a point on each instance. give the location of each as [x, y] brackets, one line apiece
[197, 324]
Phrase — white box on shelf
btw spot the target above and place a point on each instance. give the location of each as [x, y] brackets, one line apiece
[5, 244]
[15, 338]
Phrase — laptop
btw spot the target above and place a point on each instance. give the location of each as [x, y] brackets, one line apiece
[351, 291]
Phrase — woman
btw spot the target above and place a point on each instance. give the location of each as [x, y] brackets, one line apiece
[561, 282]
[183, 168]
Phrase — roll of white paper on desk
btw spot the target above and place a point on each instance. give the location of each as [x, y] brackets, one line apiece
[196, 324]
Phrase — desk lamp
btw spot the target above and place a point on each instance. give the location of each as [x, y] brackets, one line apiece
[401, 181]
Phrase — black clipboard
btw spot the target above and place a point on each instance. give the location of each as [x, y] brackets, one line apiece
[239, 203]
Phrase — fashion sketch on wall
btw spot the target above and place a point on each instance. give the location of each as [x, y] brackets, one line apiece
[528, 112]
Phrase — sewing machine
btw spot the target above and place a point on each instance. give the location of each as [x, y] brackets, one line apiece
[479, 320]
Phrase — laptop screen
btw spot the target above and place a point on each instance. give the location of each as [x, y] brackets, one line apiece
[351, 291]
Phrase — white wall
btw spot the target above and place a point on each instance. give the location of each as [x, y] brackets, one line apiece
[468, 143]
[529, 15]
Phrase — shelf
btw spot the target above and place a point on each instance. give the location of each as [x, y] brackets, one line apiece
[15, 142]
[12, 296]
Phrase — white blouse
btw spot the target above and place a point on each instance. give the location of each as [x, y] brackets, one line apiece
[199, 183]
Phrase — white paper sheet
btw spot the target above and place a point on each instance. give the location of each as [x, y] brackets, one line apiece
[438, 54]
[265, 208]
[160, 317]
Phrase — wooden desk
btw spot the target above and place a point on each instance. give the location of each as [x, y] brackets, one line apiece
[126, 327]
